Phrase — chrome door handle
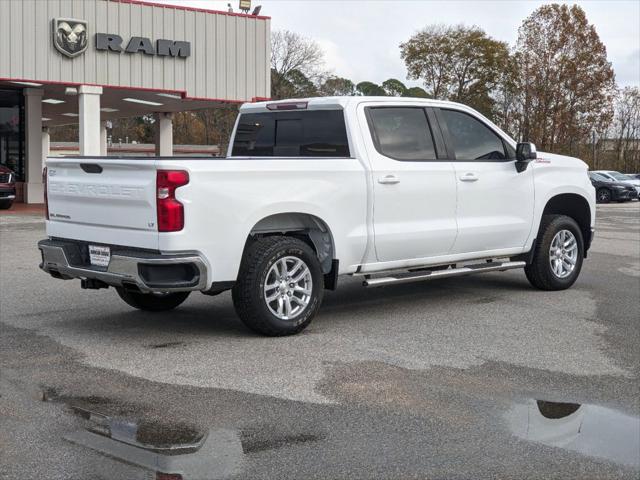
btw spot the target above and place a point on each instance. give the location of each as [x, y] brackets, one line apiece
[388, 180]
[469, 177]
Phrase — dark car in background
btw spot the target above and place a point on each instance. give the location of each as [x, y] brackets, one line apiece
[610, 191]
[7, 187]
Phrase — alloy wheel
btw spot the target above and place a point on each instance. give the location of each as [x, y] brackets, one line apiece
[288, 287]
[563, 253]
[604, 196]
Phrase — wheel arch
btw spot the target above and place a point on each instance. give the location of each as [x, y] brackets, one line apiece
[575, 206]
[305, 226]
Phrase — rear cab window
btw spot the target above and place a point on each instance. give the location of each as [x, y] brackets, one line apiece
[308, 133]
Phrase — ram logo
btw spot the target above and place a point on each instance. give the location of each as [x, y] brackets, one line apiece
[70, 36]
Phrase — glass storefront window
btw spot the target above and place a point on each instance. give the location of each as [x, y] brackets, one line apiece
[12, 131]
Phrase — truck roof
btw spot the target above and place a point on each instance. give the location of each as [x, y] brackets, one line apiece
[321, 103]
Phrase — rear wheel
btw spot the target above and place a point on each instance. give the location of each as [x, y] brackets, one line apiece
[5, 204]
[558, 254]
[603, 195]
[152, 302]
[279, 287]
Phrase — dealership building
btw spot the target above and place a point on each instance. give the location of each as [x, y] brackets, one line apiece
[87, 62]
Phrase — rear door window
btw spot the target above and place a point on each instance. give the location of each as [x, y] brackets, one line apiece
[402, 133]
[313, 133]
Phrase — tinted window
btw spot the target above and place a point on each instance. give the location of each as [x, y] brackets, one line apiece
[402, 133]
[511, 152]
[320, 133]
[472, 139]
[599, 178]
[621, 177]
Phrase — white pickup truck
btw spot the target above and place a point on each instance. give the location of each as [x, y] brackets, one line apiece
[389, 189]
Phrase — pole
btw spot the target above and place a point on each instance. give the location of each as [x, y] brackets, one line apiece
[593, 146]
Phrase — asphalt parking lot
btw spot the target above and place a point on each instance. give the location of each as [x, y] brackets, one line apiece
[475, 377]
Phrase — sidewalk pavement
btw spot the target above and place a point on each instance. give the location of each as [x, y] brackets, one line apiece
[19, 209]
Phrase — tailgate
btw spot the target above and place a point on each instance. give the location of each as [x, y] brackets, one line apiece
[103, 200]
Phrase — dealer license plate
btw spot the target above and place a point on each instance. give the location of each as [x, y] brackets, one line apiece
[99, 255]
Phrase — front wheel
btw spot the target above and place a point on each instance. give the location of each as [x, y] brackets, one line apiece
[5, 204]
[603, 195]
[558, 254]
[152, 302]
[279, 287]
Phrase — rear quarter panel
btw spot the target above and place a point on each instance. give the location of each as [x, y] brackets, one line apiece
[226, 198]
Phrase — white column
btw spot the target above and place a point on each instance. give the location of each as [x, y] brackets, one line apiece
[164, 134]
[33, 188]
[46, 142]
[103, 139]
[89, 110]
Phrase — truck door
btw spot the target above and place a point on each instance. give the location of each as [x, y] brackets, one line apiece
[495, 201]
[414, 183]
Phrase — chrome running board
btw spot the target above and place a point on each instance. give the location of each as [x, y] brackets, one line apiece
[451, 272]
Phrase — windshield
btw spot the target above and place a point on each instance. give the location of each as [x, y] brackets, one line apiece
[620, 176]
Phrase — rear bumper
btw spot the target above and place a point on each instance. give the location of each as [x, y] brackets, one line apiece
[138, 270]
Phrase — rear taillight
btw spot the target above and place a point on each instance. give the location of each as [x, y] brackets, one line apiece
[170, 210]
[46, 200]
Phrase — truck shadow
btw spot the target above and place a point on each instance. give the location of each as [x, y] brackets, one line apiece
[466, 289]
[201, 315]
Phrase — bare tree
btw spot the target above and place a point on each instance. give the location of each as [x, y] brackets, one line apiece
[294, 59]
[217, 125]
[626, 129]
[508, 112]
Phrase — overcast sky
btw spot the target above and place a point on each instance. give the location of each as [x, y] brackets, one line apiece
[361, 38]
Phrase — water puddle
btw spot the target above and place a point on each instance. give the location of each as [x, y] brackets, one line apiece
[133, 448]
[586, 429]
[170, 450]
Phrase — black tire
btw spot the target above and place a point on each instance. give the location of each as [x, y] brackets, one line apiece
[152, 302]
[248, 292]
[5, 204]
[603, 195]
[539, 272]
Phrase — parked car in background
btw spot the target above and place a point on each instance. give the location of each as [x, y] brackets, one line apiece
[609, 191]
[634, 175]
[7, 187]
[621, 177]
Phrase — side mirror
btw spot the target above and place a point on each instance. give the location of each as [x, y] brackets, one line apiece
[525, 152]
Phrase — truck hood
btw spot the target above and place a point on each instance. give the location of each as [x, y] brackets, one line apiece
[562, 160]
